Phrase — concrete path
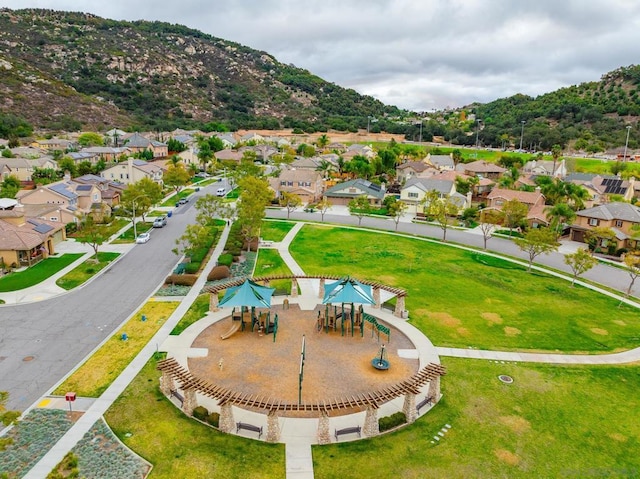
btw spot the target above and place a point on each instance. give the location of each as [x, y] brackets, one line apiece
[100, 406]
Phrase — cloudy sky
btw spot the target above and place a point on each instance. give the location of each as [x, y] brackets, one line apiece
[416, 54]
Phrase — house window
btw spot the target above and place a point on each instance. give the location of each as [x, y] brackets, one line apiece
[618, 223]
[499, 202]
[95, 197]
[593, 222]
[53, 218]
[283, 183]
[289, 183]
[412, 194]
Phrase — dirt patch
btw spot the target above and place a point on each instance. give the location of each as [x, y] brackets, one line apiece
[515, 423]
[600, 332]
[492, 318]
[445, 319]
[616, 436]
[510, 331]
[507, 457]
[619, 322]
[463, 332]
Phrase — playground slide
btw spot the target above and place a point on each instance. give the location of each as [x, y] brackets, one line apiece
[234, 328]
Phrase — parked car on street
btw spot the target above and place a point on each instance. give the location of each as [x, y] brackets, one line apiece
[160, 222]
[143, 238]
[182, 201]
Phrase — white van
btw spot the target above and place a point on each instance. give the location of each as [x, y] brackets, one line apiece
[221, 191]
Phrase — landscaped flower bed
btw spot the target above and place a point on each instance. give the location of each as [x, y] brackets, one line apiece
[32, 438]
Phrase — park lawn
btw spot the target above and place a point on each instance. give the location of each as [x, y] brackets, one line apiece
[37, 273]
[98, 372]
[553, 421]
[462, 298]
[129, 237]
[270, 263]
[86, 270]
[108, 229]
[589, 165]
[275, 230]
[179, 447]
[196, 312]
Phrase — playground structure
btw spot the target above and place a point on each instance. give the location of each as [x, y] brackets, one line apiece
[258, 385]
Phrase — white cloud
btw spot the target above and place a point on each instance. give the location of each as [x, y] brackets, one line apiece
[417, 54]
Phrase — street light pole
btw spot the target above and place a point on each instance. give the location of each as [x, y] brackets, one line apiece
[478, 120]
[133, 208]
[420, 130]
[626, 143]
[521, 135]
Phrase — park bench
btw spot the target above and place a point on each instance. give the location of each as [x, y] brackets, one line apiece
[348, 430]
[266, 243]
[177, 395]
[248, 427]
[424, 402]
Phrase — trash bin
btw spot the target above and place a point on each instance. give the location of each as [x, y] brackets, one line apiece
[197, 189]
[169, 214]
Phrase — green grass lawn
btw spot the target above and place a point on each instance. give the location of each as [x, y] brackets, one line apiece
[179, 447]
[109, 229]
[37, 273]
[129, 237]
[195, 312]
[275, 230]
[98, 372]
[270, 263]
[86, 270]
[460, 298]
[174, 199]
[553, 421]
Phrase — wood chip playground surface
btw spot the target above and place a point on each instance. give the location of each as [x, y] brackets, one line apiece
[335, 366]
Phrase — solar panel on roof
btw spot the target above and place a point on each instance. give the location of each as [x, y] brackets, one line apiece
[43, 228]
[84, 188]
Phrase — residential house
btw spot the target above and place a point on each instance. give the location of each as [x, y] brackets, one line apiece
[415, 190]
[412, 169]
[185, 139]
[137, 143]
[228, 139]
[602, 187]
[534, 201]
[109, 190]
[28, 152]
[115, 137]
[251, 137]
[82, 156]
[482, 169]
[108, 154]
[54, 144]
[441, 162]
[480, 190]
[545, 168]
[25, 241]
[307, 184]
[23, 168]
[343, 193]
[229, 155]
[132, 171]
[620, 217]
[358, 149]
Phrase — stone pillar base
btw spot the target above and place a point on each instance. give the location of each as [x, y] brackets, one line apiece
[409, 408]
[273, 427]
[400, 307]
[166, 383]
[324, 435]
[294, 288]
[376, 297]
[371, 426]
[190, 402]
[227, 423]
[434, 389]
[213, 302]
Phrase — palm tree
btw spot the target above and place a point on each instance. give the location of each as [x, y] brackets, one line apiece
[556, 150]
[322, 141]
[559, 215]
[175, 160]
[326, 167]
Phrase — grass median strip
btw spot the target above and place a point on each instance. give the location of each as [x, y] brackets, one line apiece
[37, 273]
[86, 270]
[99, 371]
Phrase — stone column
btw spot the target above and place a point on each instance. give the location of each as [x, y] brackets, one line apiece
[190, 402]
[324, 435]
[321, 293]
[399, 307]
[434, 389]
[213, 301]
[273, 427]
[166, 383]
[409, 407]
[294, 288]
[376, 297]
[227, 423]
[371, 427]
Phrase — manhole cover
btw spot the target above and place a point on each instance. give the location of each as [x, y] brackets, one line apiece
[505, 379]
[26, 359]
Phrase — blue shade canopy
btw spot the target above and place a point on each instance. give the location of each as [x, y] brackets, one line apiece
[347, 290]
[248, 294]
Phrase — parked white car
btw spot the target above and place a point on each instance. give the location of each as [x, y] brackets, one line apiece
[143, 238]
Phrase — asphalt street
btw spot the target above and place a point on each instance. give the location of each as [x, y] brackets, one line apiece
[41, 342]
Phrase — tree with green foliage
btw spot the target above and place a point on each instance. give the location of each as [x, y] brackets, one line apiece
[490, 219]
[10, 186]
[439, 209]
[138, 198]
[580, 262]
[632, 264]
[67, 164]
[205, 154]
[396, 209]
[90, 139]
[289, 201]
[92, 234]
[194, 238]
[175, 146]
[359, 167]
[251, 205]
[44, 176]
[359, 207]
[559, 215]
[323, 206]
[215, 143]
[176, 177]
[306, 150]
[515, 212]
[537, 241]
[7, 417]
[7, 153]
[325, 167]
[85, 168]
[322, 141]
[211, 206]
[556, 151]
[599, 237]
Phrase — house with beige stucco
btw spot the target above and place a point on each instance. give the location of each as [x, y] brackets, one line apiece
[623, 219]
[132, 171]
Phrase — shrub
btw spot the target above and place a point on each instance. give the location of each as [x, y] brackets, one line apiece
[389, 422]
[213, 419]
[181, 279]
[219, 272]
[225, 259]
[192, 268]
[200, 413]
[622, 251]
